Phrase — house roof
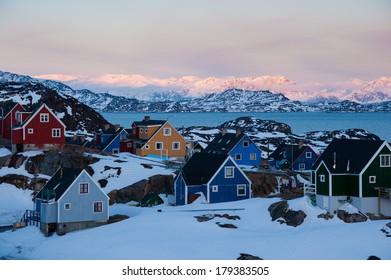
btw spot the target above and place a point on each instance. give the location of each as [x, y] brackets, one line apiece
[297, 150]
[7, 107]
[224, 143]
[59, 183]
[348, 155]
[201, 167]
[149, 122]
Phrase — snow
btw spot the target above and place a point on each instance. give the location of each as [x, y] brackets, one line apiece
[4, 152]
[173, 232]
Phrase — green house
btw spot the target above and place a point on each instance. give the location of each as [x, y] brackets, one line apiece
[354, 171]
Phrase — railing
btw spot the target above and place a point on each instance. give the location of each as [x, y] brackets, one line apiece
[309, 190]
[31, 218]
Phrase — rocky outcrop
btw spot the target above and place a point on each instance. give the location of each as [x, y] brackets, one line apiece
[136, 192]
[280, 210]
[326, 216]
[351, 217]
[247, 257]
[262, 184]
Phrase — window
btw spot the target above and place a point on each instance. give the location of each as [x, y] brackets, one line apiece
[229, 172]
[129, 145]
[246, 144]
[30, 131]
[146, 130]
[308, 155]
[98, 206]
[56, 132]
[241, 190]
[147, 147]
[167, 131]
[385, 161]
[284, 154]
[302, 166]
[141, 130]
[253, 156]
[67, 206]
[158, 146]
[176, 145]
[215, 188]
[372, 179]
[83, 188]
[238, 156]
[44, 117]
[322, 178]
[115, 150]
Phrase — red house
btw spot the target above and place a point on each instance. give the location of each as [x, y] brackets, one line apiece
[41, 130]
[9, 114]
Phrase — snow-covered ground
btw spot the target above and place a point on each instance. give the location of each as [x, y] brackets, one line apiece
[173, 232]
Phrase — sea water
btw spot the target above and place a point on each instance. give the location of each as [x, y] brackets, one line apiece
[300, 122]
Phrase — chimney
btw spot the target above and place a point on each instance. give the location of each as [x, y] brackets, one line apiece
[223, 131]
[147, 118]
[106, 126]
[238, 132]
[117, 126]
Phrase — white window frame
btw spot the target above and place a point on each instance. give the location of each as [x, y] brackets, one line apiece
[301, 166]
[44, 117]
[67, 206]
[146, 130]
[226, 175]
[88, 188]
[241, 187]
[238, 156]
[246, 144]
[141, 130]
[56, 132]
[322, 178]
[167, 131]
[308, 155]
[253, 156]
[93, 207]
[385, 160]
[30, 131]
[115, 151]
[176, 143]
[156, 148]
[129, 145]
[215, 188]
[372, 179]
[147, 147]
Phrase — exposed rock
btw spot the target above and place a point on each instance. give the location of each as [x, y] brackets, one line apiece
[326, 216]
[262, 184]
[103, 183]
[374, 217]
[20, 181]
[117, 218]
[294, 218]
[351, 217]
[137, 191]
[291, 217]
[208, 217]
[204, 218]
[389, 224]
[226, 216]
[373, 258]
[226, 225]
[278, 209]
[246, 257]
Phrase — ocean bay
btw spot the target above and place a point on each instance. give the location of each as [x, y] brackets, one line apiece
[300, 122]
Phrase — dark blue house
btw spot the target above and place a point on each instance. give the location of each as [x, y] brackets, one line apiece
[216, 176]
[238, 145]
[295, 157]
[109, 139]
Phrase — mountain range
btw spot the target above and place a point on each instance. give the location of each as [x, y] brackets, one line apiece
[373, 96]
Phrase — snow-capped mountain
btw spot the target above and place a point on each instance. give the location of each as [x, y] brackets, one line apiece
[362, 99]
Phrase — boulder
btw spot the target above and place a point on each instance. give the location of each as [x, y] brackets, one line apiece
[244, 256]
[278, 209]
[351, 217]
[373, 258]
[326, 216]
[262, 184]
[136, 192]
[281, 209]
[20, 181]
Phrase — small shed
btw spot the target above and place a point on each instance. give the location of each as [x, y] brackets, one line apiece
[151, 199]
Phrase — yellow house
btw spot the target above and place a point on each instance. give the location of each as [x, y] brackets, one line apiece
[157, 137]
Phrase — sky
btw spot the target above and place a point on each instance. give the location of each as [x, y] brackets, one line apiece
[304, 40]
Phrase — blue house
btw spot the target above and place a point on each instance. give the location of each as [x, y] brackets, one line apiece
[238, 145]
[109, 139]
[295, 157]
[216, 176]
[71, 200]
